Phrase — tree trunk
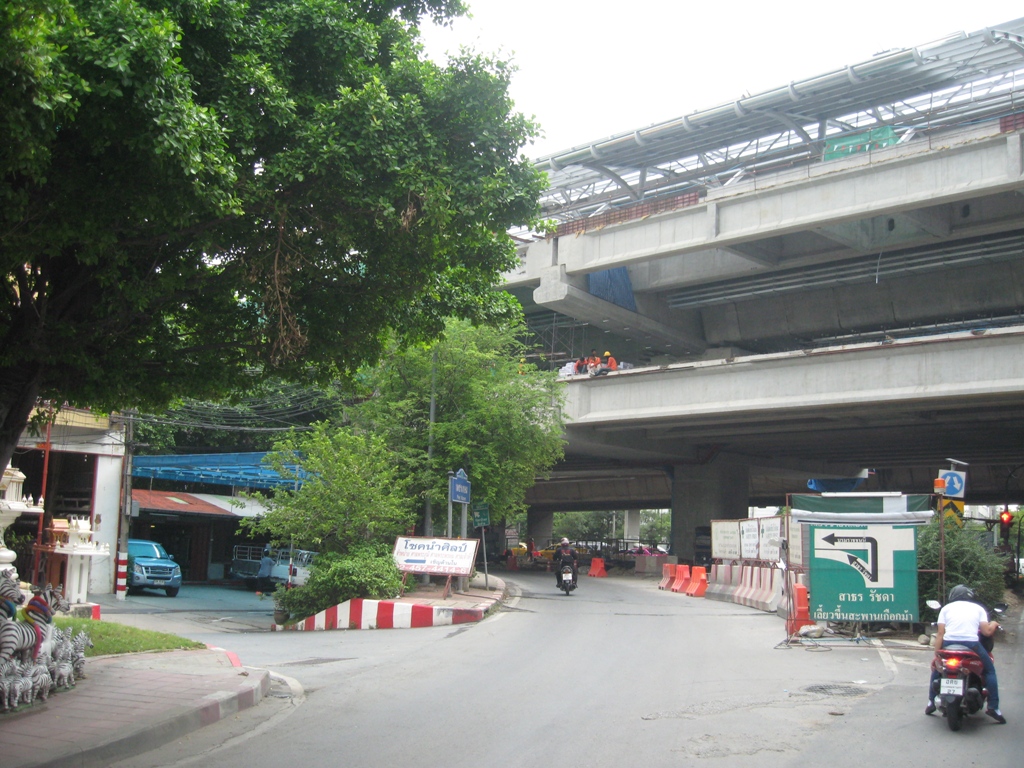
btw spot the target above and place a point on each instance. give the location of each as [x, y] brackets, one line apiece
[19, 390]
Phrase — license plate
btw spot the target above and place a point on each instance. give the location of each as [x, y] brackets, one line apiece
[159, 583]
[951, 686]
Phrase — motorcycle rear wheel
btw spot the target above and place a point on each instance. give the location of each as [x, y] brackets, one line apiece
[954, 717]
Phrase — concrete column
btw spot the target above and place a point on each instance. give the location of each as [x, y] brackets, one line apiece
[539, 526]
[631, 525]
[702, 493]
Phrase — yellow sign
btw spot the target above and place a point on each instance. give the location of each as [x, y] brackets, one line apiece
[955, 510]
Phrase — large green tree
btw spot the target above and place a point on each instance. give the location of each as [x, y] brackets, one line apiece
[194, 188]
[495, 416]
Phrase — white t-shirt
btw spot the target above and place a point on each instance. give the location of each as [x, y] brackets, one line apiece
[962, 620]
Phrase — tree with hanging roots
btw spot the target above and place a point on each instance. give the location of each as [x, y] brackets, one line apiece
[192, 190]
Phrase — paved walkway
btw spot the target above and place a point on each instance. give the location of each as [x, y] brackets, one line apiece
[133, 703]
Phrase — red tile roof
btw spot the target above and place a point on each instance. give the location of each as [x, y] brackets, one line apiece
[175, 501]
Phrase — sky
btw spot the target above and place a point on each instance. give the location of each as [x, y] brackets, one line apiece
[589, 70]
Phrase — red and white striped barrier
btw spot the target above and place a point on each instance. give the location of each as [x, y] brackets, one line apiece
[361, 613]
[719, 582]
[121, 583]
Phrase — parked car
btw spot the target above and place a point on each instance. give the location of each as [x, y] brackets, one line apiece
[548, 552]
[152, 567]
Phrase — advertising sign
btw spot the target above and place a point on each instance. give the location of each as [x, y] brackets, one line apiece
[863, 572]
[448, 557]
[725, 539]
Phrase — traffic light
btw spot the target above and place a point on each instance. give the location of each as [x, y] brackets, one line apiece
[1005, 521]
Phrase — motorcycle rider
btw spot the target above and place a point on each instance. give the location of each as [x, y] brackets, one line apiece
[564, 554]
[961, 622]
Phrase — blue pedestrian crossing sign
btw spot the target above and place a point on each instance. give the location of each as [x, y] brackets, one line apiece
[956, 483]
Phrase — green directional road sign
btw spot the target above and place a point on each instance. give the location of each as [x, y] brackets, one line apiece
[481, 514]
[864, 573]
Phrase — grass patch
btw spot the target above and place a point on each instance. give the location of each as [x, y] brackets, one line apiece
[110, 638]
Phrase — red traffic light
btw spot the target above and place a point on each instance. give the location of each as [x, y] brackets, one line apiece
[1006, 517]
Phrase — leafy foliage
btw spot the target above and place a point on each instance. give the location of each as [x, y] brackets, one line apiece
[495, 417]
[351, 493]
[191, 189]
[967, 560]
[367, 571]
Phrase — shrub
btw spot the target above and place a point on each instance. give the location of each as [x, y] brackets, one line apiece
[968, 561]
[369, 571]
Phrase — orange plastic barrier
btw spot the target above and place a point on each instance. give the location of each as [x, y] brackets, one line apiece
[800, 615]
[682, 578]
[668, 575]
[597, 567]
[698, 582]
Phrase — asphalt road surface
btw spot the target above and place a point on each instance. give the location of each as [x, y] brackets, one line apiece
[619, 673]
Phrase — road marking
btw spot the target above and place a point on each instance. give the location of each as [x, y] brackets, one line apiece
[885, 656]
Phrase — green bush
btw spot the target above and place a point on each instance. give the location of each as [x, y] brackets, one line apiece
[968, 561]
[367, 572]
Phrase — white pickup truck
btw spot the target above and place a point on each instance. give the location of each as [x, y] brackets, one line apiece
[245, 564]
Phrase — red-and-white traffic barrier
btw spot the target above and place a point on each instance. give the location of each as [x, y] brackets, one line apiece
[361, 613]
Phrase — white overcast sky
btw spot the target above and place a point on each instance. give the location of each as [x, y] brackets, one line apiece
[588, 70]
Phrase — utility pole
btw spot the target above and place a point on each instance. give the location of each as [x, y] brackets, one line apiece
[121, 580]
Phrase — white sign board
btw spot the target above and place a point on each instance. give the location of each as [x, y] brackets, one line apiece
[725, 539]
[770, 537]
[449, 557]
[750, 531]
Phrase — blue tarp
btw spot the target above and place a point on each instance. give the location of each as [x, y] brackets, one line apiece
[613, 285]
[239, 470]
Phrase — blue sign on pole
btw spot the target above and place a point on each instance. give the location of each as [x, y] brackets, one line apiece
[956, 482]
[458, 488]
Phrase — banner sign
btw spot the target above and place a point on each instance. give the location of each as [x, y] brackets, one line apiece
[448, 557]
[769, 537]
[749, 534]
[863, 572]
[725, 539]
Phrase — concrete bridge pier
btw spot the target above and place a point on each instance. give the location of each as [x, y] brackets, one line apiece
[702, 493]
[539, 526]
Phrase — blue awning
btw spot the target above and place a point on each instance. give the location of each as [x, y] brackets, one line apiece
[239, 470]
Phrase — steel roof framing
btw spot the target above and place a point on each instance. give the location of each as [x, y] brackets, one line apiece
[957, 80]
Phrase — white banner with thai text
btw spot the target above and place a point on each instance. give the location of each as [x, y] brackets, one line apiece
[449, 557]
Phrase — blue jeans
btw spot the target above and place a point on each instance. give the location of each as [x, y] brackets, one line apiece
[990, 671]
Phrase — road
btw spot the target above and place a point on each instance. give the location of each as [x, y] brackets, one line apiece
[620, 673]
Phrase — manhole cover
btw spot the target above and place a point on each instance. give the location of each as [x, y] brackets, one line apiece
[836, 690]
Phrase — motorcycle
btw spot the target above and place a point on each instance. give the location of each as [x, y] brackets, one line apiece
[962, 689]
[567, 582]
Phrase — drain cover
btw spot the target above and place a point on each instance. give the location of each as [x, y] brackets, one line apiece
[836, 690]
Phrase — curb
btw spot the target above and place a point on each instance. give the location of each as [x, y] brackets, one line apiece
[126, 738]
[361, 613]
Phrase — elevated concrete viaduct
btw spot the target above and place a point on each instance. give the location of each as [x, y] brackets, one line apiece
[812, 282]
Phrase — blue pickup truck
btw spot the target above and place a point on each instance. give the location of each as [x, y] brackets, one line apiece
[152, 567]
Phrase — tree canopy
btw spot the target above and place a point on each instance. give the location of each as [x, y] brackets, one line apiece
[496, 416]
[194, 188]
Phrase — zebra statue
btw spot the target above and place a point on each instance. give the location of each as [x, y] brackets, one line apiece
[33, 637]
[10, 595]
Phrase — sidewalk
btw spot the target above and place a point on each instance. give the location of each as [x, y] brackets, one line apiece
[130, 704]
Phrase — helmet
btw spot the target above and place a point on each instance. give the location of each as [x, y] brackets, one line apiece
[564, 541]
[962, 592]
[607, 354]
